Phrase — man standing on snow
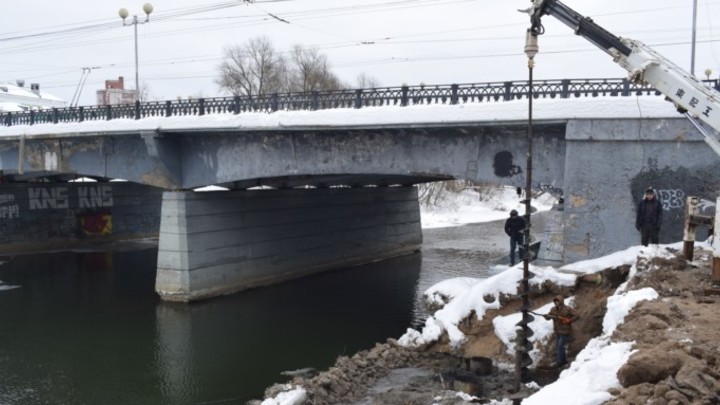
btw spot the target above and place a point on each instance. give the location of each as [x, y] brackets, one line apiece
[562, 316]
[514, 228]
[649, 218]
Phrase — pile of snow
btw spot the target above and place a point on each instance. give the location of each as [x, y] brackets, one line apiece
[594, 371]
[474, 296]
[293, 396]
[466, 207]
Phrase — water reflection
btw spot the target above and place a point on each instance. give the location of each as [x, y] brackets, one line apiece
[88, 328]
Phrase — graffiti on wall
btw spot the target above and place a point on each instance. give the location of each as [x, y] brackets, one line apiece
[8, 208]
[504, 165]
[671, 199]
[673, 186]
[42, 198]
[551, 189]
[96, 223]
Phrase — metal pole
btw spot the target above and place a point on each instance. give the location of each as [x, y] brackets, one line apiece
[523, 345]
[694, 34]
[137, 76]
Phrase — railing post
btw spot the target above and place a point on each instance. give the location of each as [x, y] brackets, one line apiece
[508, 91]
[32, 117]
[8, 119]
[201, 107]
[108, 112]
[404, 96]
[358, 98]
[626, 87]
[81, 114]
[168, 108]
[565, 88]
[137, 109]
[236, 105]
[315, 101]
[55, 115]
[274, 102]
[454, 94]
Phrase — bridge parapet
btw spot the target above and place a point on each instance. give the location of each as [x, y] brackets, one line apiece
[358, 98]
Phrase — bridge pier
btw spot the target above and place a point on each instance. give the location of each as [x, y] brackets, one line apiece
[217, 243]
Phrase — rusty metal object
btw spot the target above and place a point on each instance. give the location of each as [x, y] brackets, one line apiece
[689, 250]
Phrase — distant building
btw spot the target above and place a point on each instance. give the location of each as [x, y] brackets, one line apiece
[115, 93]
[17, 97]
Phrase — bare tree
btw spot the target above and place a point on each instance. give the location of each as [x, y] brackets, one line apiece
[253, 68]
[365, 81]
[146, 92]
[309, 70]
[256, 67]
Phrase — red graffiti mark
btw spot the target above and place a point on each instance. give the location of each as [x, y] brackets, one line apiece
[96, 223]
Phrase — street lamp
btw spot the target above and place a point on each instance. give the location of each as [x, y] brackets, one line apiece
[123, 13]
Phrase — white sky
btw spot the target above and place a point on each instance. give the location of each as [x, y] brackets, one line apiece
[413, 41]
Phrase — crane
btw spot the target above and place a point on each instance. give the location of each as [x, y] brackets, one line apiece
[691, 97]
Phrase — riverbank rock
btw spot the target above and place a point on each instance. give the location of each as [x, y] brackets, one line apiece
[649, 366]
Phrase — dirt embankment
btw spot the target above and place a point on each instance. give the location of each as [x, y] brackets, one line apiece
[677, 359]
[677, 336]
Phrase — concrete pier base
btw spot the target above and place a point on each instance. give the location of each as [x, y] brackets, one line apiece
[218, 243]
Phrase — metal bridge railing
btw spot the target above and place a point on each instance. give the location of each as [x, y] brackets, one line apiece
[323, 100]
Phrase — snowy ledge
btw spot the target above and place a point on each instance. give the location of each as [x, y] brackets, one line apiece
[370, 117]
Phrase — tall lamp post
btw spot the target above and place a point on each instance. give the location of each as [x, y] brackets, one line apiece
[123, 13]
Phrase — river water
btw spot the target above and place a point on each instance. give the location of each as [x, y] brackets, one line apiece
[88, 328]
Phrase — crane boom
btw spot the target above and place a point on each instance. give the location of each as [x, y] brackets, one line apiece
[644, 65]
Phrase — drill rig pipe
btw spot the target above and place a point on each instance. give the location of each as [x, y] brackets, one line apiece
[523, 346]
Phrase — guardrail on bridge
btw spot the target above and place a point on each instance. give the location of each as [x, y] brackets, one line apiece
[359, 98]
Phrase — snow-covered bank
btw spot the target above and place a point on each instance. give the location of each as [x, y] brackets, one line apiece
[594, 371]
[617, 351]
[480, 296]
[467, 207]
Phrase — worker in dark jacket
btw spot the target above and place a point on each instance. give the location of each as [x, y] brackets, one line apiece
[515, 228]
[649, 218]
[563, 317]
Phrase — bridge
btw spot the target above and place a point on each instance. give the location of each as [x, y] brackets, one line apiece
[341, 172]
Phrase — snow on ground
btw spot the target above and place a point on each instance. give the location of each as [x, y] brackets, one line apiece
[595, 368]
[623, 257]
[465, 207]
[516, 110]
[471, 296]
[294, 396]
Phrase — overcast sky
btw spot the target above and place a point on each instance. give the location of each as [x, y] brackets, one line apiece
[395, 41]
